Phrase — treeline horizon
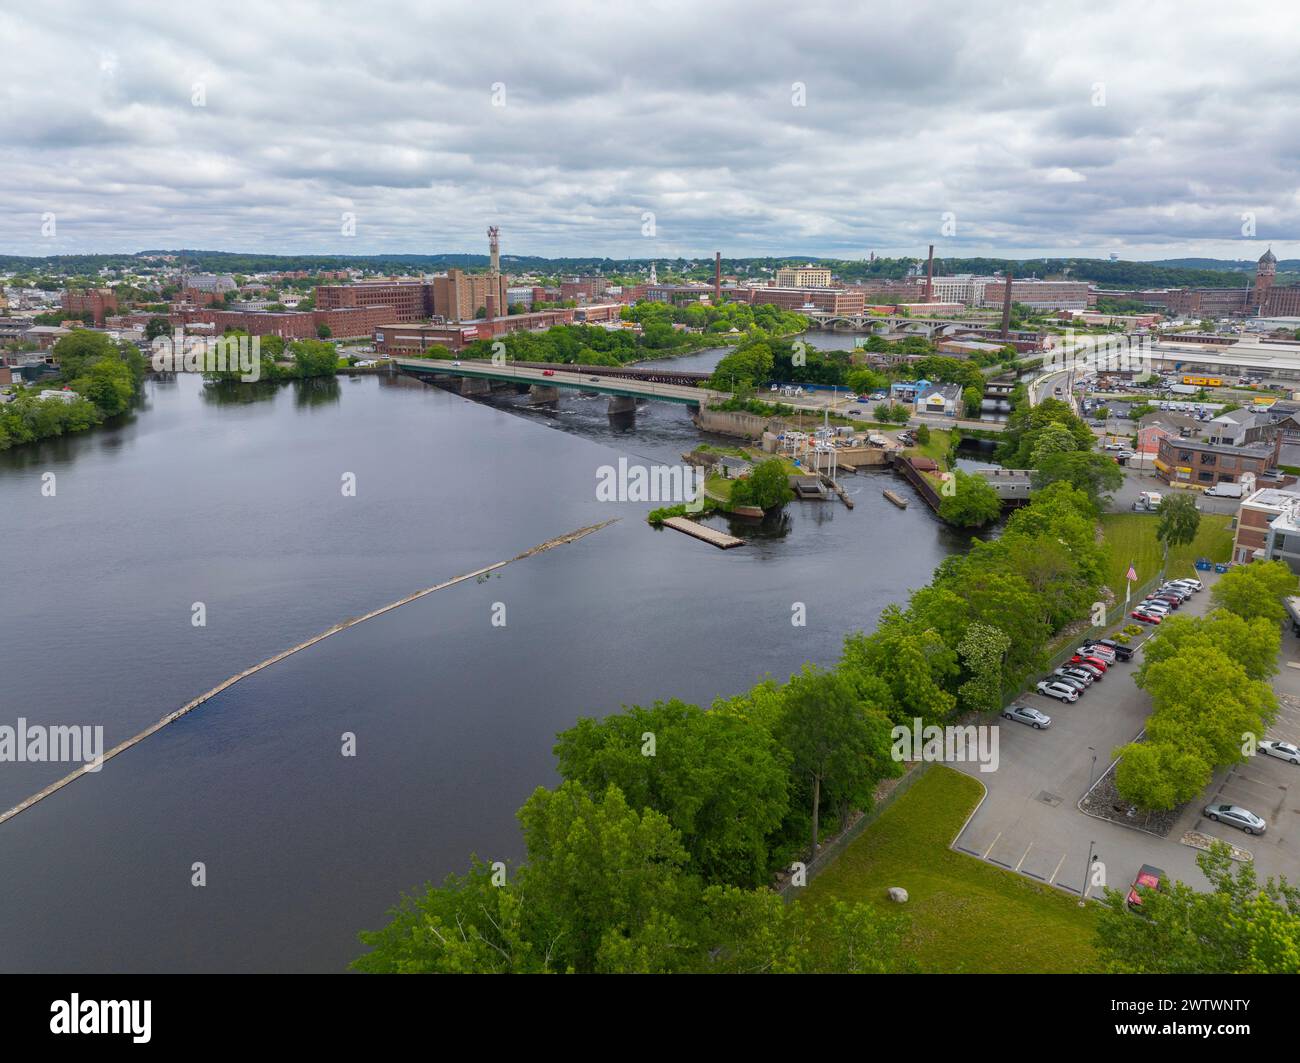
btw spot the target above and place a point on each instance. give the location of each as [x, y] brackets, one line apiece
[1165, 273]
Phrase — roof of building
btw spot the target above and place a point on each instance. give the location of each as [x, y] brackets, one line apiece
[1271, 498]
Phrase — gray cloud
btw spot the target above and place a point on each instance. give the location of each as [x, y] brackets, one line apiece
[386, 110]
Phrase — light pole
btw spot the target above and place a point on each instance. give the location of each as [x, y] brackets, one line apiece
[1087, 873]
[1091, 771]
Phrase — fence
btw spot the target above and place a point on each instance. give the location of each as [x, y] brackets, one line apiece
[1114, 615]
[831, 850]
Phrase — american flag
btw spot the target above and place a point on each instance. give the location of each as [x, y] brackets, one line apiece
[1131, 575]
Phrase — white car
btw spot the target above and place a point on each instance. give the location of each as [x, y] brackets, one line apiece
[1281, 750]
[1192, 584]
[1152, 605]
[1025, 714]
[1056, 690]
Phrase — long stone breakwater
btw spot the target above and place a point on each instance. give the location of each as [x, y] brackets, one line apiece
[190, 706]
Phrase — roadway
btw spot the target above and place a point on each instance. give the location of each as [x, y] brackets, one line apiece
[585, 379]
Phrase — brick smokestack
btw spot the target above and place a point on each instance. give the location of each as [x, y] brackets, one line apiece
[1006, 309]
[717, 277]
[494, 251]
[929, 276]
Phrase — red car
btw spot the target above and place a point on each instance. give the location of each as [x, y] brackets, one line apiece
[1095, 662]
[1146, 618]
[1149, 877]
[548, 372]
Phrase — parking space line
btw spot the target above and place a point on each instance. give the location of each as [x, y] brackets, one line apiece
[991, 844]
[1023, 855]
[1056, 869]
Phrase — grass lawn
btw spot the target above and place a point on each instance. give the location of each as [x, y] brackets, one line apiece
[966, 915]
[937, 448]
[1132, 538]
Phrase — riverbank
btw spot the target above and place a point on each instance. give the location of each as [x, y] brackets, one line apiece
[234, 501]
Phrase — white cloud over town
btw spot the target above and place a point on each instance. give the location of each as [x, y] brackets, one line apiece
[834, 129]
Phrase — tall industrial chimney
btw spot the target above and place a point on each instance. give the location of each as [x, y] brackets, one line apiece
[717, 277]
[929, 277]
[494, 251]
[1006, 309]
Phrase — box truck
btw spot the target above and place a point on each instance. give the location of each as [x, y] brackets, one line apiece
[1223, 489]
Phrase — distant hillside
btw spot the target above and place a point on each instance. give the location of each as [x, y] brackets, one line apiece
[1169, 273]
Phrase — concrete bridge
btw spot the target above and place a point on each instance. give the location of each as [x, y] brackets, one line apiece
[919, 326]
[624, 384]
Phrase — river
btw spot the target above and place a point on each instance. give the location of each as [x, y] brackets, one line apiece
[237, 504]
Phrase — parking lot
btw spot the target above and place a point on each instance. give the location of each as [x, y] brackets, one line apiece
[1029, 821]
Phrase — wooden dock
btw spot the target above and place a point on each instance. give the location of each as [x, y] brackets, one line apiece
[721, 540]
[897, 499]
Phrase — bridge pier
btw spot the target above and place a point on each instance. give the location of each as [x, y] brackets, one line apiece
[470, 385]
[501, 385]
[542, 395]
[622, 404]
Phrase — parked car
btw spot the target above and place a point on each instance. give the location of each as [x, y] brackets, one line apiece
[1281, 750]
[1144, 617]
[1236, 816]
[1170, 599]
[1194, 584]
[1081, 661]
[1121, 652]
[1059, 676]
[1151, 605]
[1096, 650]
[1027, 714]
[1057, 690]
[1150, 878]
[1076, 673]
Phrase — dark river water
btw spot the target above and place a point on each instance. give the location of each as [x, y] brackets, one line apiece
[237, 504]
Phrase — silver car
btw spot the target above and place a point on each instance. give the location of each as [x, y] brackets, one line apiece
[1069, 680]
[1281, 750]
[1057, 690]
[1026, 714]
[1236, 816]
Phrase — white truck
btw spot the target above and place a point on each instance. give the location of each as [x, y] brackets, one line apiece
[1148, 501]
[1223, 489]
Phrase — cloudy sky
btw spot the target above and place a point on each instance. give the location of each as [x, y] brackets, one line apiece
[652, 129]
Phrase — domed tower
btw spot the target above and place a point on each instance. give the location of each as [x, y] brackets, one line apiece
[1265, 272]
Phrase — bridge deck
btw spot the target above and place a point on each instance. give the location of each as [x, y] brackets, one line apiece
[580, 379]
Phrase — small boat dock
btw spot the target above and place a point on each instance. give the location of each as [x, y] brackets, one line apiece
[896, 498]
[721, 540]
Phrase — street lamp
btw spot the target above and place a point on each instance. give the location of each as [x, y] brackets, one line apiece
[1092, 770]
[1087, 873]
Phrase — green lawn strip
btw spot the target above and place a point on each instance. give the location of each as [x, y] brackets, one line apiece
[1132, 539]
[966, 915]
[936, 449]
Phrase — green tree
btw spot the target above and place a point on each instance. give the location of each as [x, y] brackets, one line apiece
[1179, 521]
[767, 486]
[983, 649]
[833, 741]
[972, 502]
[721, 780]
[973, 399]
[1239, 927]
[1054, 438]
[1255, 590]
[1094, 474]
